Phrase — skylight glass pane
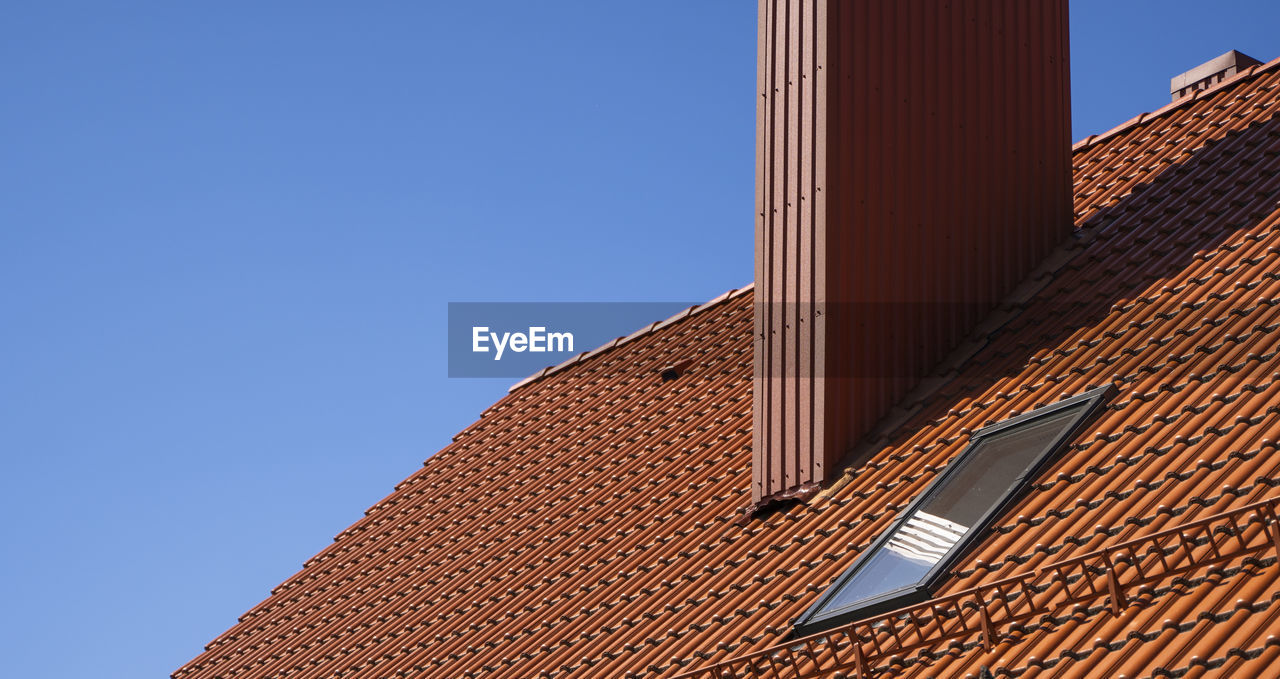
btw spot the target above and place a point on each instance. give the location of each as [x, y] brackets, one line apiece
[956, 503]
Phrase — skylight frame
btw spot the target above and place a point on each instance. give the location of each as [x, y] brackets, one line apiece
[816, 619]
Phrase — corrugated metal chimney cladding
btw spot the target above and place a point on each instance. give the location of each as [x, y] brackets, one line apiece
[913, 165]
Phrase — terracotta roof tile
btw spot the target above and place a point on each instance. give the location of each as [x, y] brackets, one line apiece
[587, 524]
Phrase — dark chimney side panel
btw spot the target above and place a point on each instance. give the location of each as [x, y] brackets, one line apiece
[912, 165]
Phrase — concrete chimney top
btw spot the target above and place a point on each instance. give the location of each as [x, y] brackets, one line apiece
[1211, 72]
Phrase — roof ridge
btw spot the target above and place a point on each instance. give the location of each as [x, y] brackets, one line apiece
[1142, 118]
[617, 342]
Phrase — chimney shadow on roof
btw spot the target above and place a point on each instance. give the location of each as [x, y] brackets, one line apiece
[1129, 252]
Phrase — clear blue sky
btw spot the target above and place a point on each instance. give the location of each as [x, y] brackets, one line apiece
[229, 231]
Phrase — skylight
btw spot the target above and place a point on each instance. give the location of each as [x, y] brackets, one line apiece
[904, 564]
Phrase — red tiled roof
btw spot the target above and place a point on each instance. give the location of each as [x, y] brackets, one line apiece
[586, 525]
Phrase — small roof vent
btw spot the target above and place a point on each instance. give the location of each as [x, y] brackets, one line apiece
[1209, 73]
[675, 370]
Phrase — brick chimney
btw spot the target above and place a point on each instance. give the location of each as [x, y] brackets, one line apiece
[913, 165]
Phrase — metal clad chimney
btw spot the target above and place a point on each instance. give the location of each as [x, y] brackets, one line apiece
[913, 165]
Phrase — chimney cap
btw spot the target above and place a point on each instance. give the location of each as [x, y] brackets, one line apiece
[1212, 71]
